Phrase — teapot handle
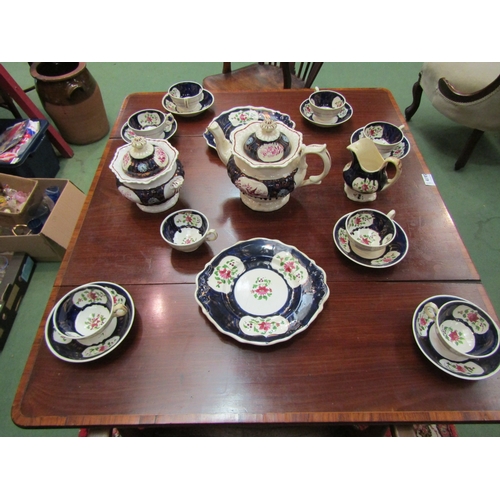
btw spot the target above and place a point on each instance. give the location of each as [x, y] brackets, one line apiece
[396, 162]
[322, 152]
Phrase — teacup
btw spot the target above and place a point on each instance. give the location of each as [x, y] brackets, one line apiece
[326, 104]
[86, 311]
[149, 123]
[384, 135]
[465, 328]
[370, 231]
[186, 230]
[186, 95]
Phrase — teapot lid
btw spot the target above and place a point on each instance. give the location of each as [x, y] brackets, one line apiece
[268, 130]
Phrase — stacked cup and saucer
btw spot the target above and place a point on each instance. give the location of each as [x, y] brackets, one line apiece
[457, 336]
[371, 238]
[187, 99]
[326, 108]
[89, 322]
[149, 123]
[389, 138]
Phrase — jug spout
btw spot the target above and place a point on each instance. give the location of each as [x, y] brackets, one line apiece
[367, 154]
[222, 144]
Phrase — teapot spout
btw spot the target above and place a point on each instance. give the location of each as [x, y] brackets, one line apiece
[222, 144]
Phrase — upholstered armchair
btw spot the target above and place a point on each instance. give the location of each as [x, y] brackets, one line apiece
[467, 93]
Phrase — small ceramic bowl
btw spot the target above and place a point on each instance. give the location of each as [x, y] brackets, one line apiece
[186, 230]
[186, 95]
[465, 328]
[86, 311]
[149, 123]
[370, 231]
[326, 104]
[384, 135]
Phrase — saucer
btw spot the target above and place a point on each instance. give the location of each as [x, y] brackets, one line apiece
[203, 105]
[399, 151]
[394, 253]
[90, 349]
[342, 117]
[127, 133]
[426, 337]
[241, 115]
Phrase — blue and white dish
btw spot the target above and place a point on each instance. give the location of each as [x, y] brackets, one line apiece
[432, 347]
[400, 151]
[261, 291]
[395, 252]
[307, 112]
[205, 103]
[85, 350]
[241, 115]
[127, 133]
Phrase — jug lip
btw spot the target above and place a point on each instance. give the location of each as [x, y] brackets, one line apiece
[249, 128]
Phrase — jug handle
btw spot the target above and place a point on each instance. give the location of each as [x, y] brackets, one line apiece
[322, 152]
[396, 162]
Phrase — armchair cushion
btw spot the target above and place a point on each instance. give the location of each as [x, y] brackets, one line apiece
[466, 78]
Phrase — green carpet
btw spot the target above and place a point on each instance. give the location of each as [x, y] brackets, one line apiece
[469, 194]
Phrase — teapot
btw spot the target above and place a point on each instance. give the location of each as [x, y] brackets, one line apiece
[366, 174]
[266, 161]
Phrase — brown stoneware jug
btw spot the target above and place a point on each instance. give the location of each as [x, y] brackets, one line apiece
[72, 98]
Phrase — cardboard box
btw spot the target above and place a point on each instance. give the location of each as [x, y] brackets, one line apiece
[51, 243]
[13, 286]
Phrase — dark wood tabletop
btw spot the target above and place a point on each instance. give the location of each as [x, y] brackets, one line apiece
[357, 362]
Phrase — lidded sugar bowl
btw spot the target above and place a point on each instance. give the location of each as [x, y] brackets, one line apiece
[148, 173]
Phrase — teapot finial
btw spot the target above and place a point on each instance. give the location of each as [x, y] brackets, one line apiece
[141, 148]
[268, 130]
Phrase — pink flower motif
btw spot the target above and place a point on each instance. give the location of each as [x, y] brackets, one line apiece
[423, 321]
[289, 266]
[225, 273]
[472, 316]
[460, 368]
[265, 325]
[365, 240]
[262, 290]
[454, 336]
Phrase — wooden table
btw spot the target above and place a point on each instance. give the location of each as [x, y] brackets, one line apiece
[357, 362]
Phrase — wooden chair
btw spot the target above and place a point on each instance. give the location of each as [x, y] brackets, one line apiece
[264, 76]
[467, 93]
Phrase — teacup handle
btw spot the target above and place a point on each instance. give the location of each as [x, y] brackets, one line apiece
[322, 152]
[396, 162]
[211, 235]
[119, 310]
[431, 310]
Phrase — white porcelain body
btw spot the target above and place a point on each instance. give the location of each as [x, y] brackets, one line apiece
[255, 179]
[186, 102]
[186, 230]
[153, 194]
[326, 104]
[380, 232]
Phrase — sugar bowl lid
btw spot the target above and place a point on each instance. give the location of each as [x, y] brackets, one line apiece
[145, 158]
